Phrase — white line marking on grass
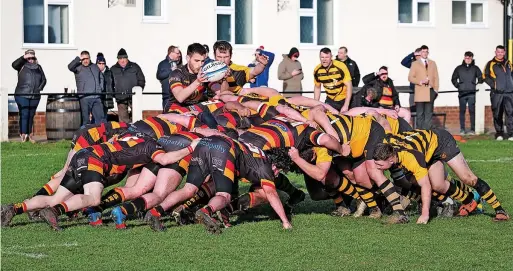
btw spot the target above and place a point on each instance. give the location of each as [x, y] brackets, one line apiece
[498, 160]
[28, 255]
[32, 154]
[73, 244]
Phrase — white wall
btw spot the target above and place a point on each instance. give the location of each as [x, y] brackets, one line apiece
[371, 34]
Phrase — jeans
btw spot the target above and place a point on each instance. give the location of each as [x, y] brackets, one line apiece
[27, 110]
[92, 106]
[123, 114]
[471, 101]
[502, 103]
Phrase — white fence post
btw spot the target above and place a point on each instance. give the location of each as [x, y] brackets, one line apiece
[481, 98]
[137, 104]
[4, 114]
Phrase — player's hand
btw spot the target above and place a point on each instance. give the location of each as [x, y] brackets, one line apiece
[345, 149]
[293, 153]
[312, 124]
[423, 219]
[287, 225]
[202, 78]
[228, 73]
[344, 108]
[262, 59]
[252, 80]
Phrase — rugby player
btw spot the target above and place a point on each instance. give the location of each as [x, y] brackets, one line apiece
[439, 148]
[225, 161]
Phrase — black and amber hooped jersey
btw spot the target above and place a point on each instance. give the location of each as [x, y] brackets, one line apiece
[128, 152]
[93, 134]
[333, 79]
[355, 130]
[156, 127]
[207, 106]
[238, 78]
[397, 126]
[181, 77]
[282, 132]
[412, 161]
[423, 141]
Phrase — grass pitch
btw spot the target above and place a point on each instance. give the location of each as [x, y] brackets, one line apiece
[317, 242]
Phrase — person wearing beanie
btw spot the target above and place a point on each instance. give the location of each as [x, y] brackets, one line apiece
[89, 82]
[108, 81]
[164, 69]
[291, 73]
[261, 80]
[126, 75]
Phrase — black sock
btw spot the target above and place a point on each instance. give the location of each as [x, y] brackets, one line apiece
[157, 211]
[488, 195]
[61, 208]
[132, 207]
[44, 191]
[282, 183]
[114, 198]
[20, 208]
[241, 203]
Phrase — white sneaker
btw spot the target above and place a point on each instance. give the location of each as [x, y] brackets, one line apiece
[499, 138]
[510, 139]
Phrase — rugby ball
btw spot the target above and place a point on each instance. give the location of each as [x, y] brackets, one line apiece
[214, 70]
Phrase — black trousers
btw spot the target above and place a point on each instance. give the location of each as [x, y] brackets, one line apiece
[502, 103]
[425, 112]
[469, 99]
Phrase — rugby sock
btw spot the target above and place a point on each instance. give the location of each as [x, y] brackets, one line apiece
[114, 199]
[46, 190]
[20, 208]
[282, 183]
[439, 197]
[208, 209]
[348, 188]
[157, 211]
[61, 208]
[458, 194]
[134, 206]
[462, 185]
[389, 191]
[202, 197]
[367, 196]
[412, 193]
[488, 195]
[243, 202]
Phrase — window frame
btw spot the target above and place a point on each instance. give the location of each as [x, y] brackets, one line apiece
[230, 10]
[468, 14]
[45, 45]
[308, 12]
[312, 12]
[162, 19]
[415, 13]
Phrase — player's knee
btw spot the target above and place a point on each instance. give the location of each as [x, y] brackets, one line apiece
[190, 189]
[438, 187]
[225, 195]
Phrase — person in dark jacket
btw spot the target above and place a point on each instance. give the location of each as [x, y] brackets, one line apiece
[465, 78]
[108, 83]
[31, 81]
[261, 80]
[126, 75]
[408, 60]
[89, 81]
[165, 67]
[351, 65]
[497, 74]
[386, 94]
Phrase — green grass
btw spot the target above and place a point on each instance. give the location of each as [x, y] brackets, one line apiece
[318, 241]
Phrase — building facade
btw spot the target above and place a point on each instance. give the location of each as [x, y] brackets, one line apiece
[376, 32]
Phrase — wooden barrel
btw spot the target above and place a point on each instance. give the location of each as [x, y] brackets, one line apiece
[62, 117]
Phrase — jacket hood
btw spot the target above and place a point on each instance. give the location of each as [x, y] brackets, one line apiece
[285, 56]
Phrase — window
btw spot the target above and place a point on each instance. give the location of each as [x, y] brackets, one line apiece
[469, 12]
[419, 12]
[316, 22]
[46, 22]
[235, 21]
[154, 11]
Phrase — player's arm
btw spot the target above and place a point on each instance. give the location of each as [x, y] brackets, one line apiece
[348, 83]
[317, 171]
[168, 158]
[185, 121]
[290, 113]
[415, 163]
[274, 200]
[180, 92]
[309, 102]
[326, 140]
[357, 111]
[425, 193]
[317, 91]
[262, 91]
[206, 132]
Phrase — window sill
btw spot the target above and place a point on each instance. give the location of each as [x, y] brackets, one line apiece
[416, 25]
[469, 26]
[245, 46]
[313, 47]
[154, 20]
[42, 46]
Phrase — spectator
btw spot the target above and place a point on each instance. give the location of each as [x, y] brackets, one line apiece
[208, 59]
[351, 65]
[126, 75]
[165, 67]
[497, 74]
[291, 73]
[108, 83]
[336, 79]
[31, 81]
[89, 81]
[424, 74]
[386, 94]
[465, 78]
[261, 80]
[408, 60]
[180, 59]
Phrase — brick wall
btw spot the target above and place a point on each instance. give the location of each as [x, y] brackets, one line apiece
[452, 122]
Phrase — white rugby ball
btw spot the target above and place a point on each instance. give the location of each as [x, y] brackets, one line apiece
[214, 70]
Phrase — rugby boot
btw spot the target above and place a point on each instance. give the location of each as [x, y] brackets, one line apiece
[118, 217]
[375, 213]
[33, 216]
[7, 213]
[209, 222]
[49, 215]
[501, 215]
[341, 210]
[95, 219]
[397, 218]
[153, 219]
[224, 217]
[360, 208]
[296, 197]
[466, 209]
